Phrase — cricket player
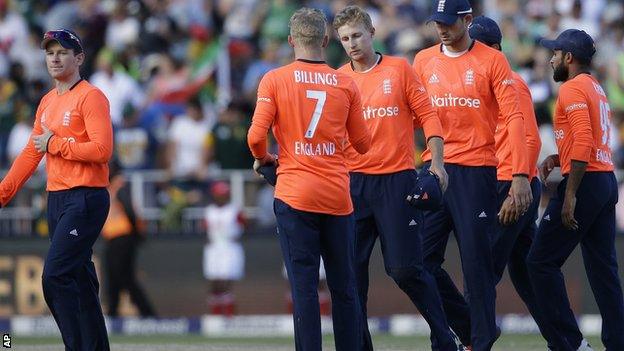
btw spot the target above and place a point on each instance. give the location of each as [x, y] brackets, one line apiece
[514, 232]
[469, 84]
[314, 111]
[380, 179]
[73, 130]
[583, 208]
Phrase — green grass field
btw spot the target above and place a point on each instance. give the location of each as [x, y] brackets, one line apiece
[194, 342]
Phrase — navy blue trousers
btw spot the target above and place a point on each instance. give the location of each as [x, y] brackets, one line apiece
[510, 247]
[304, 238]
[70, 285]
[595, 212]
[469, 210]
[382, 211]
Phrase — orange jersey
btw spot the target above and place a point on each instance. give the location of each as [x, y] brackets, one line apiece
[582, 124]
[533, 141]
[78, 152]
[468, 92]
[391, 96]
[313, 109]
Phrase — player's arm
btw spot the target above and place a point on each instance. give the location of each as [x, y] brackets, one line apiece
[533, 141]
[574, 103]
[427, 117]
[24, 166]
[359, 135]
[96, 114]
[508, 102]
[264, 115]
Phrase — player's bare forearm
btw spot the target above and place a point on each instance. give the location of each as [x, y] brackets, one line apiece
[577, 171]
[436, 146]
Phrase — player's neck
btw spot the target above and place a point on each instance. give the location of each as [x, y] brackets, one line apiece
[310, 54]
[461, 45]
[366, 63]
[577, 70]
[64, 85]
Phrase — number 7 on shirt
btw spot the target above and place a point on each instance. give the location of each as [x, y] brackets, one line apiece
[320, 97]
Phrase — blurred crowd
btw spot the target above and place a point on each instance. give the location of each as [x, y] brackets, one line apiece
[181, 75]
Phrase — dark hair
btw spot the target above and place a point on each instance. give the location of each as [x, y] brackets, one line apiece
[584, 62]
[194, 102]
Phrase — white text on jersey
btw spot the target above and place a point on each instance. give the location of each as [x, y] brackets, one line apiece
[374, 112]
[312, 149]
[315, 78]
[448, 100]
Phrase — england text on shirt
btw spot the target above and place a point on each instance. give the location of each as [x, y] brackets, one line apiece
[313, 111]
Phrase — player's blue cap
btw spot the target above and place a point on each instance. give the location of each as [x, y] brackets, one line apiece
[426, 194]
[485, 30]
[67, 38]
[574, 41]
[269, 173]
[448, 11]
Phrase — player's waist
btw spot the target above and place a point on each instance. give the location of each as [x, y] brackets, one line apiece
[475, 158]
[380, 167]
[337, 205]
[61, 189]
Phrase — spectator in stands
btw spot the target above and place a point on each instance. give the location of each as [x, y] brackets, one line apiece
[224, 258]
[188, 150]
[119, 87]
[229, 138]
[122, 232]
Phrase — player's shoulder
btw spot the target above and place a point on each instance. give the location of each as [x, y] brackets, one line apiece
[397, 62]
[48, 96]
[578, 83]
[519, 81]
[428, 53]
[346, 68]
[85, 88]
[486, 54]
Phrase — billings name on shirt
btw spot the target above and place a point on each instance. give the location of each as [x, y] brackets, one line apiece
[315, 78]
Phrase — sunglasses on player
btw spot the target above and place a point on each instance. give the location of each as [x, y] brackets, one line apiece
[66, 38]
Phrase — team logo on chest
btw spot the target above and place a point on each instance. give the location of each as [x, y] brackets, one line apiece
[387, 86]
[66, 118]
[469, 77]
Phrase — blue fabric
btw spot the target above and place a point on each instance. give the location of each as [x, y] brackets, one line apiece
[304, 238]
[381, 211]
[469, 210]
[70, 284]
[595, 212]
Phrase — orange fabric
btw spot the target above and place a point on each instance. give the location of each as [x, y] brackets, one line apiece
[582, 124]
[467, 92]
[391, 96]
[312, 172]
[80, 149]
[117, 223]
[533, 141]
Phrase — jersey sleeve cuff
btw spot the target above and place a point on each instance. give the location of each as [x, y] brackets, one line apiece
[581, 153]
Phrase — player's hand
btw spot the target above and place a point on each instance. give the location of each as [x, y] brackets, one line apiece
[547, 166]
[439, 171]
[508, 213]
[521, 194]
[268, 159]
[41, 140]
[567, 213]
